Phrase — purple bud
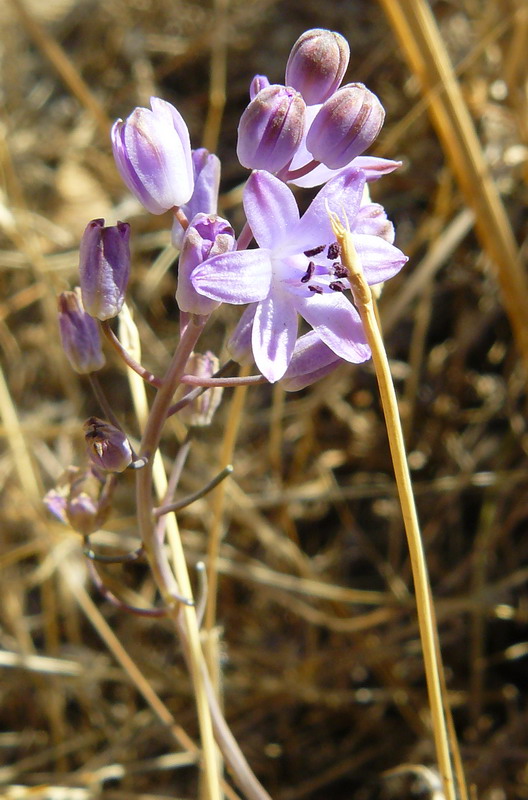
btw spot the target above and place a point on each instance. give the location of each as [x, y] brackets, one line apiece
[311, 360]
[108, 447]
[208, 235]
[199, 412]
[80, 335]
[152, 151]
[259, 82]
[317, 64]
[204, 198]
[104, 267]
[240, 343]
[271, 129]
[81, 498]
[347, 123]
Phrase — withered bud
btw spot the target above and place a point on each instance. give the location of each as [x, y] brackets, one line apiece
[200, 412]
[108, 447]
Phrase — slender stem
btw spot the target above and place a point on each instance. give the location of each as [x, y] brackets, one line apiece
[191, 498]
[426, 620]
[298, 173]
[160, 566]
[127, 358]
[245, 237]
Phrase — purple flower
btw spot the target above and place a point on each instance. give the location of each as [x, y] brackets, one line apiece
[80, 337]
[293, 271]
[207, 235]
[204, 200]
[311, 360]
[104, 267]
[345, 125]
[108, 448]
[81, 498]
[317, 64]
[271, 128]
[152, 151]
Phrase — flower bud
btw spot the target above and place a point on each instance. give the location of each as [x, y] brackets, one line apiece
[81, 340]
[259, 82]
[317, 64]
[239, 344]
[204, 200]
[104, 267]
[208, 235]
[81, 498]
[347, 123]
[199, 412]
[311, 360]
[108, 447]
[271, 128]
[152, 151]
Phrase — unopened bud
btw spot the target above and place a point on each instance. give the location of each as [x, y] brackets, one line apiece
[271, 128]
[317, 64]
[199, 412]
[152, 151]
[81, 498]
[104, 267]
[208, 235]
[347, 123]
[204, 200]
[311, 360]
[80, 335]
[108, 447]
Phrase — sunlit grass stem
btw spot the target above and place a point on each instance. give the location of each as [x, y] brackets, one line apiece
[426, 620]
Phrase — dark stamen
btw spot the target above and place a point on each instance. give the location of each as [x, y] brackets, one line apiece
[334, 250]
[309, 272]
[337, 286]
[315, 251]
[315, 289]
[339, 270]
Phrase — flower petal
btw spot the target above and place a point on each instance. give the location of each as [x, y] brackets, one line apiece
[270, 207]
[342, 193]
[337, 323]
[239, 277]
[274, 335]
[379, 259]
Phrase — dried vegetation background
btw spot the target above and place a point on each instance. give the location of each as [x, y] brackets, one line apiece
[322, 676]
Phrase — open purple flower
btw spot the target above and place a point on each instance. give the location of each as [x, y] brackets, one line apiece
[296, 270]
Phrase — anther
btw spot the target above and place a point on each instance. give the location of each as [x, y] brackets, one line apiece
[315, 251]
[339, 270]
[337, 286]
[309, 272]
[315, 289]
[334, 250]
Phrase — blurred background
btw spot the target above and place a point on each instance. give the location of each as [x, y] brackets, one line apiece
[322, 676]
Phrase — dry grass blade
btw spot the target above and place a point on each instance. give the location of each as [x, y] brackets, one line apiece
[420, 39]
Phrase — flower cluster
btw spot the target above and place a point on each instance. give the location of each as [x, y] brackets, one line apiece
[311, 131]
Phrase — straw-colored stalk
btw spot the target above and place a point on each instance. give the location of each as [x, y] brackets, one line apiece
[426, 619]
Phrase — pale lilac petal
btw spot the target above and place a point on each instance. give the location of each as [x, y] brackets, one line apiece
[337, 323]
[374, 167]
[311, 360]
[372, 219]
[342, 194]
[379, 259]
[274, 335]
[271, 209]
[240, 277]
[316, 177]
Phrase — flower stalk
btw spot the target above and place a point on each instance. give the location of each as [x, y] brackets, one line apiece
[426, 619]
